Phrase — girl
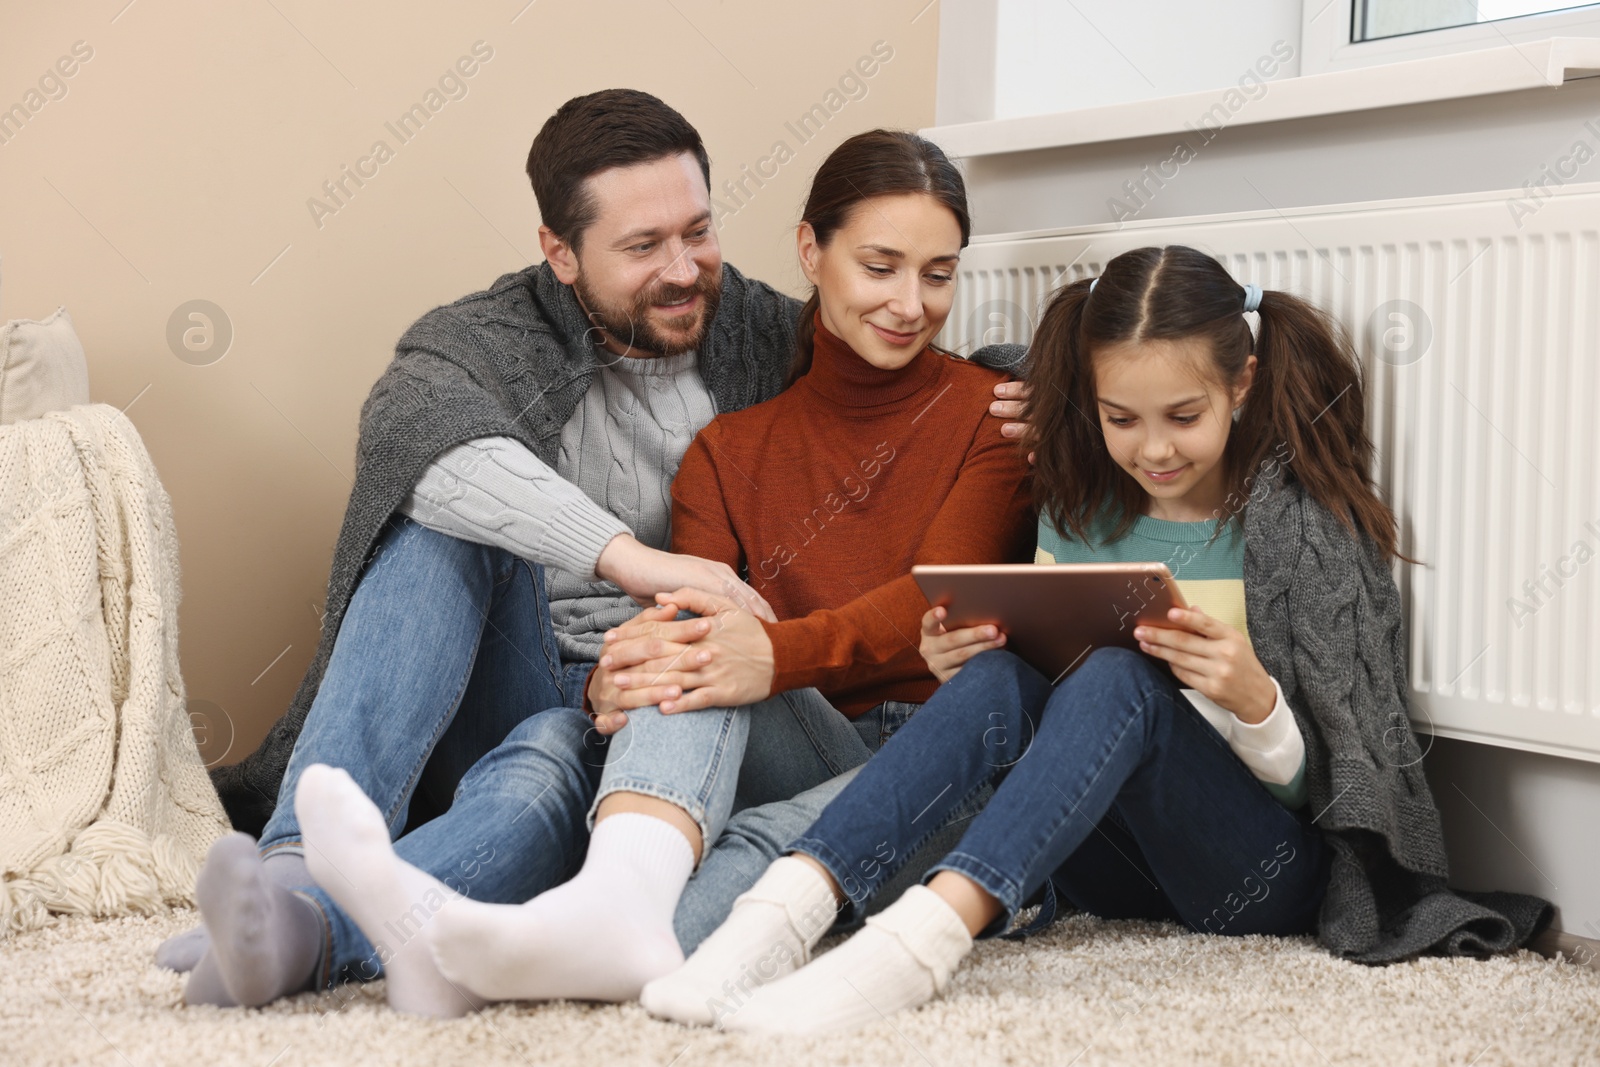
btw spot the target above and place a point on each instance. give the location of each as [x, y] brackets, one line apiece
[881, 454]
[1293, 802]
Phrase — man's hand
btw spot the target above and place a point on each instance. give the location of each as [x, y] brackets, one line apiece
[946, 651]
[733, 663]
[642, 572]
[1211, 656]
[608, 717]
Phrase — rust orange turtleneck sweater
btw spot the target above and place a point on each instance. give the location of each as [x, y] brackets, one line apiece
[823, 497]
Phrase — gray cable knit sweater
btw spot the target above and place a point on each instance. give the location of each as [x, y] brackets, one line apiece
[511, 361]
[619, 454]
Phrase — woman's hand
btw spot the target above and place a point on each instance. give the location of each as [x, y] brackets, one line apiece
[946, 650]
[637, 654]
[732, 663]
[1013, 398]
[1211, 656]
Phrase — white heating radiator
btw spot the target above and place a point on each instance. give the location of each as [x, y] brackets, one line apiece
[1478, 322]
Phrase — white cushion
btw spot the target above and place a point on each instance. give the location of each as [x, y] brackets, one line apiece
[42, 368]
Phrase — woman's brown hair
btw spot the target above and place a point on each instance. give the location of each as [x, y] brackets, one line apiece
[872, 164]
[1305, 410]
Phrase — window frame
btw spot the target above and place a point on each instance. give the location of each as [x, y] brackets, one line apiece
[1325, 43]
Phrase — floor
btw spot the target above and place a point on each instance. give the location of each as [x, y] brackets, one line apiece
[1085, 992]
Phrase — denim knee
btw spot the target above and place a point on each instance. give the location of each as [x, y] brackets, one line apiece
[691, 761]
[1124, 673]
[557, 746]
[998, 693]
[1111, 663]
[404, 537]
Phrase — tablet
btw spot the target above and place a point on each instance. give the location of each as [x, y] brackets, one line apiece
[1054, 614]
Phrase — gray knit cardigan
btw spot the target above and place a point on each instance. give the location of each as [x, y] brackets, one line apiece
[1324, 618]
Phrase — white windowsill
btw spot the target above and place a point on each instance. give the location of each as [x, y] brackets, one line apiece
[1546, 63]
[1573, 188]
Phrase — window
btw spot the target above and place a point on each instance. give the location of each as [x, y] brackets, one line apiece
[1339, 34]
[1378, 19]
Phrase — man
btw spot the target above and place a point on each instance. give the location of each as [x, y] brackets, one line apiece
[526, 436]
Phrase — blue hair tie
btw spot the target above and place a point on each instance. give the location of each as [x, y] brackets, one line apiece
[1094, 282]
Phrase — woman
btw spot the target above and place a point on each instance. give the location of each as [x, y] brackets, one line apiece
[881, 455]
[1268, 783]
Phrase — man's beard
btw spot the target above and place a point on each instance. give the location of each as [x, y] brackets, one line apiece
[632, 327]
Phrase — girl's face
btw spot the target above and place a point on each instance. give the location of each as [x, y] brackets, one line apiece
[1166, 420]
[888, 277]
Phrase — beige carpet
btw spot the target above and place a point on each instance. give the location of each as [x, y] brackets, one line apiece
[1086, 992]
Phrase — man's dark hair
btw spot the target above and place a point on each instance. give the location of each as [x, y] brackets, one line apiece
[589, 134]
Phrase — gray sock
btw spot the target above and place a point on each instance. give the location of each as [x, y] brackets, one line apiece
[182, 952]
[205, 984]
[266, 942]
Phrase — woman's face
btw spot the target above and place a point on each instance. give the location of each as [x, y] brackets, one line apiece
[888, 277]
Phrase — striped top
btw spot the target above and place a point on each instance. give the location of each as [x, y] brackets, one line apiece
[1210, 575]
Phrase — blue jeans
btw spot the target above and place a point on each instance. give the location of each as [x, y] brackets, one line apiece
[445, 686]
[445, 650]
[752, 778]
[1112, 791]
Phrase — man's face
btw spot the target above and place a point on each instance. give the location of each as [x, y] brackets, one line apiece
[650, 270]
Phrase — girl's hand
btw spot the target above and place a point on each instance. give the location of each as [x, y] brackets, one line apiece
[1216, 659]
[946, 650]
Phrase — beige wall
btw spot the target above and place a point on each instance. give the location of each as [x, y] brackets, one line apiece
[178, 166]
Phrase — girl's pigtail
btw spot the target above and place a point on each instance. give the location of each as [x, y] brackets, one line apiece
[1307, 409]
[1063, 427]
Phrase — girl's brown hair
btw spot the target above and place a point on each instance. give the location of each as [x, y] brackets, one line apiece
[1305, 410]
[872, 164]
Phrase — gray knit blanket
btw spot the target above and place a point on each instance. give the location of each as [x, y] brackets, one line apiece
[1325, 621]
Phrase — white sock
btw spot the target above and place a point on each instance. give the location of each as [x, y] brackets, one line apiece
[769, 933]
[903, 958]
[349, 853]
[601, 936]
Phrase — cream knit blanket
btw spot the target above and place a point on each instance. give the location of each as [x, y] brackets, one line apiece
[105, 806]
